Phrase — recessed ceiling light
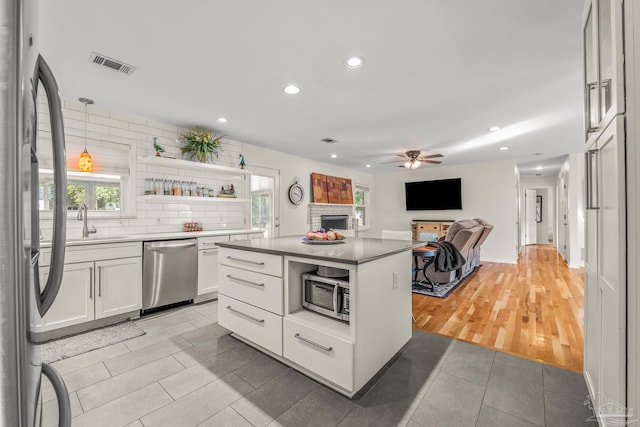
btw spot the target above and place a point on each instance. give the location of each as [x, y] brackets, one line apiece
[333, 156]
[503, 148]
[539, 168]
[494, 128]
[292, 90]
[354, 62]
[222, 120]
[368, 166]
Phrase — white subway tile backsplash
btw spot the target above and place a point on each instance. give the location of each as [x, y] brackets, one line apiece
[105, 120]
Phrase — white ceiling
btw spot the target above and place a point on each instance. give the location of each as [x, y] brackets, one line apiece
[437, 75]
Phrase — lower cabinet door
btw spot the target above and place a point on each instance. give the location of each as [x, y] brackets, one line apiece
[255, 324]
[325, 355]
[118, 286]
[74, 303]
[207, 271]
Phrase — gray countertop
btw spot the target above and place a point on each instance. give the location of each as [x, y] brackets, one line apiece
[100, 239]
[353, 251]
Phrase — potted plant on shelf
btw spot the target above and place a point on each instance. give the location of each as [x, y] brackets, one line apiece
[201, 144]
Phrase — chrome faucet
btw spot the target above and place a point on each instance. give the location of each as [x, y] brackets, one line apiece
[85, 229]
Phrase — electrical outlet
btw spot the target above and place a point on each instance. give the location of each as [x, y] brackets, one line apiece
[395, 280]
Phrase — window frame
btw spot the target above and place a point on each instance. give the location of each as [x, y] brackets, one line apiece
[365, 206]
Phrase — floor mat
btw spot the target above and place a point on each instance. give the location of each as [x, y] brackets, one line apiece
[439, 291]
[66, 347]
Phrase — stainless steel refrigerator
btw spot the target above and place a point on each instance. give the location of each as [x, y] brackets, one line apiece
[23, 301]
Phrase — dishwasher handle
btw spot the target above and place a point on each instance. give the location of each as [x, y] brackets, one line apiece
[159, 246]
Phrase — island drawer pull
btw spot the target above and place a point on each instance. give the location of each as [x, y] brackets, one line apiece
[247, 282]
[241, 314]
[315, 344]
[244, 260]
[209, 243]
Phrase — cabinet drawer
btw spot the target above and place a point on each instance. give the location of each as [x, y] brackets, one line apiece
[326, 355]
[257, 289]
[428, 226]
[96, 252]
[210, 242]
[252, 261]
[254, 324]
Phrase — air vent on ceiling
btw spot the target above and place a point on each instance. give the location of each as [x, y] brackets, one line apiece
[111, 63]
[329, 140]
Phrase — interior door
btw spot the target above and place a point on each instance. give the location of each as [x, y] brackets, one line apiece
[530, 225]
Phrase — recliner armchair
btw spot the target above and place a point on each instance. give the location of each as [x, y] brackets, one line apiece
[464, 235]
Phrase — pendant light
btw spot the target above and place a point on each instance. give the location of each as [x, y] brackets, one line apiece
[85, 164]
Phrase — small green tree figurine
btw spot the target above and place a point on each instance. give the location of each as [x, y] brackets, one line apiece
[242, 163]
[159, 148]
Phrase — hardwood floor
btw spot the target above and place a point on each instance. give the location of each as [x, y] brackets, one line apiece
[534, 309]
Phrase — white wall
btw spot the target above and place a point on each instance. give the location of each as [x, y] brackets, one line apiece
[489, 191]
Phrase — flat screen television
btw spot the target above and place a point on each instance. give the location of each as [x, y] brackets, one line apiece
[439, 194]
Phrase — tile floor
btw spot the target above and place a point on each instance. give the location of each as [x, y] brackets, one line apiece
[187, 371]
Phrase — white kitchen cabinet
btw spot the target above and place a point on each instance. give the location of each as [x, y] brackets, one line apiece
[603, 64]
[605, 267]
[118, 286]
[208, 264]
[102, 281]
[74, 303]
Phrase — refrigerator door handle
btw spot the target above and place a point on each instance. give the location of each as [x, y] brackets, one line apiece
[44, 74]
[62, 394]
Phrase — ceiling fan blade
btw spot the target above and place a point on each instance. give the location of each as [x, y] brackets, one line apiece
[392, 161]
[431, 156]
[435, 162]
[402, 155]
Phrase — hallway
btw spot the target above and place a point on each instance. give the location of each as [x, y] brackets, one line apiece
[533, 309]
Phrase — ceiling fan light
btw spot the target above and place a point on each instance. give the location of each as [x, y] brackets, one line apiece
[412, 164]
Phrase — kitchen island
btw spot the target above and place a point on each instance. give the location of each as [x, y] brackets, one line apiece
[261, 302]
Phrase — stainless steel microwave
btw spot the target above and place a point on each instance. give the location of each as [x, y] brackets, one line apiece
[326, 295]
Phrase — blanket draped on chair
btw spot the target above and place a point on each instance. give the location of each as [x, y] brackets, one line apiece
[448, 257]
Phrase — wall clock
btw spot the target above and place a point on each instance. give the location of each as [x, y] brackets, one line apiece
[296, 193]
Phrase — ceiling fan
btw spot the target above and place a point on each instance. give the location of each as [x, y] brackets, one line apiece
[412, 159]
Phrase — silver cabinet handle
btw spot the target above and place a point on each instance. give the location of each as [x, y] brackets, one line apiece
[90, 282]
[100, 281]
[58, 241]
[244, 260]
[210, 251]
[62, 395]
[589, 111]
[246, 316]
[209, 243]
[315, 344]
[246, 282]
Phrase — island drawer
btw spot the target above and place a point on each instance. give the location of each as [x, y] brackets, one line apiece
[326, 355]
[210, 242]
[257, 289]
[252, 261]
[252, 323]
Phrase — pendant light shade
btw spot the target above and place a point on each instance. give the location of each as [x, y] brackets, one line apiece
[85, 164]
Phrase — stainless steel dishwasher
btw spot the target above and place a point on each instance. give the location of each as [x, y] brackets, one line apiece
[169, 272]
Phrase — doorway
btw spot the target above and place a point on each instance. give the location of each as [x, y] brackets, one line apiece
[539, 215]
[264, 202]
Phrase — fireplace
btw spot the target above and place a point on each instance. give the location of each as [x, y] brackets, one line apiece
[337, 222]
